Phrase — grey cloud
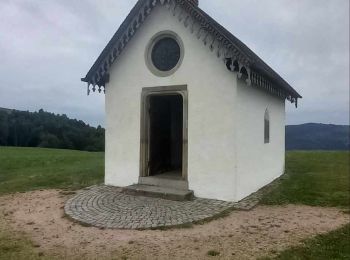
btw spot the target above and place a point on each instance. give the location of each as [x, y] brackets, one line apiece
[306, 41]
[46, 46]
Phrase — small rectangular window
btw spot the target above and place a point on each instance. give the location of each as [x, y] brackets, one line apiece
[267, 127]
[267, 131]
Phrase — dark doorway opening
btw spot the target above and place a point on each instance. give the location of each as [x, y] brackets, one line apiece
[165, 135]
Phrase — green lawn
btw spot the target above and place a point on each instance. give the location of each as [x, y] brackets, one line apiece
[25, 169]
[334, 245]
[314, 178]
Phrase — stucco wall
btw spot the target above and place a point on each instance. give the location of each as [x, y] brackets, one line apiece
[258, 163]
[211, 115]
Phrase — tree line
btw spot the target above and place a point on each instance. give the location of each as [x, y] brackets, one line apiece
[48, 130]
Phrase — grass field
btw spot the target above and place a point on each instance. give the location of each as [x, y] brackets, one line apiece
[25, 169]
[312, 178]
[315, 179]
[332, 246]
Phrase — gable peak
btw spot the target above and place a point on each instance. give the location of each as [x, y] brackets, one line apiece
[235, 54]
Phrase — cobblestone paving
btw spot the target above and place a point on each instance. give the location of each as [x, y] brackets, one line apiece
[106, 207]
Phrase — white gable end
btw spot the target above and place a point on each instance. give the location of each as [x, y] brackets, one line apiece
[223, 118]
[211, 91]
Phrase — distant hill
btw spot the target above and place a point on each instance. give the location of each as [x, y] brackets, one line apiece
[5, 110]
[44, 129]
[317, 137]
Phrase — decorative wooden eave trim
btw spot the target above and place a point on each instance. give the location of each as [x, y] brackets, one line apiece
[237, 57]
[95, 76]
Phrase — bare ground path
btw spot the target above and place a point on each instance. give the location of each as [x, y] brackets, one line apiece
[242, 235]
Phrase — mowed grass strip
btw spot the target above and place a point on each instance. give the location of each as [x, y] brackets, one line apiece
[315, 179]
[334, 245]
[27, 169]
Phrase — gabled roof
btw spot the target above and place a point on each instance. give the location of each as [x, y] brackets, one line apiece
[236, 55]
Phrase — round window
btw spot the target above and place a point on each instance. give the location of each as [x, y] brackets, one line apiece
[164, 54]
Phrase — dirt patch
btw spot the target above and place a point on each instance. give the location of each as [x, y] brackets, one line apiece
[241, 235]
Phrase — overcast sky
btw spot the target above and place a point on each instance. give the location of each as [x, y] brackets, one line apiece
[46, 46]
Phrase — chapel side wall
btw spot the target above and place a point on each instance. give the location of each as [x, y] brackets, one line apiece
[211, 116]
[258, 163]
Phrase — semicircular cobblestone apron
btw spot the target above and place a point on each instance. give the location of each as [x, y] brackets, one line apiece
[107, 207]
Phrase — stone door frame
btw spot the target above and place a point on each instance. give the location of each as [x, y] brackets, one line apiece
[144, 134]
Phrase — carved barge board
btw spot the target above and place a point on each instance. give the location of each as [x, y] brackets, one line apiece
[235, 55]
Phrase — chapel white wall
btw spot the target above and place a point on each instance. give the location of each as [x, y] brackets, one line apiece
[211, 112]
[258, 163]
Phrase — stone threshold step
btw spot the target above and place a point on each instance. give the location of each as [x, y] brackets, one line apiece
[161, 181]
[159, 192]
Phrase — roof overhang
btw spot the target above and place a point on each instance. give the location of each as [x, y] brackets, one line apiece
[235, 54]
